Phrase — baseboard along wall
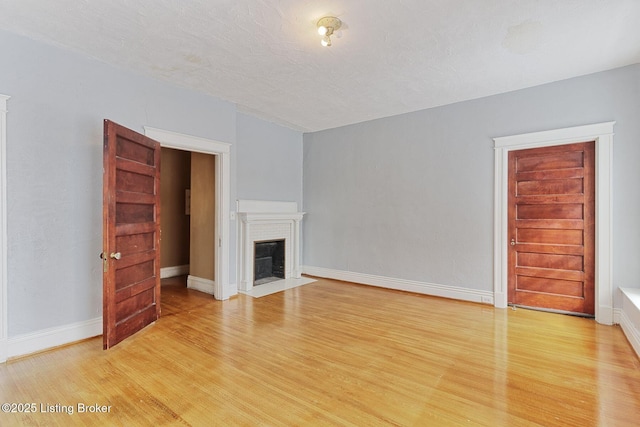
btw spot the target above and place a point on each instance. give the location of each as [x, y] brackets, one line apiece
[433, 289]
[628, 317]
[200, 284]
[178, 270]
[53, 337]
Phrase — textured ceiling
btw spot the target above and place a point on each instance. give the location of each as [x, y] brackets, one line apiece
[391, 57]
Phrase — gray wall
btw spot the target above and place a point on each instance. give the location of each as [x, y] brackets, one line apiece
[54, 170]
[270, 161]
[411, 196]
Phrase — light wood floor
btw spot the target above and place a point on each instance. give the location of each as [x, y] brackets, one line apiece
[333, 353]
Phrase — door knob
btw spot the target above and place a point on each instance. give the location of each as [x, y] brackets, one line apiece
[513, 242]
[115, 255]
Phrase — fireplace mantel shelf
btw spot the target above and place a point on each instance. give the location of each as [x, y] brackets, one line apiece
[270, 216]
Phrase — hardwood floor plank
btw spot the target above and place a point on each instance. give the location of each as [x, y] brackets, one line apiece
[335, 353]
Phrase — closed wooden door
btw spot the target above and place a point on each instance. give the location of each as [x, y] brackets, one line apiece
[131, 233]
[551, 228]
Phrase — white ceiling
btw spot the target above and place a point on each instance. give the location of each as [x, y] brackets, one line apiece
[392, 57]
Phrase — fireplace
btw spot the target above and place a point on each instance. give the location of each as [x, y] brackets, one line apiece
[268, 264]
[266, 221]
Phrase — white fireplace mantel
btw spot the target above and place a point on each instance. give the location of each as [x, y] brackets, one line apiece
[263, 221]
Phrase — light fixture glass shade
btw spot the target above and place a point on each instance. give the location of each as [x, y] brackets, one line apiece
[326, 27]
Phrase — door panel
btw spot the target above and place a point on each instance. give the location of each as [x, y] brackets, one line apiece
[550, 261]
[551, 227]
[552, 286]
[551, 161]
[131, 229]
[551, 211]
[551, 186]
[541, 235]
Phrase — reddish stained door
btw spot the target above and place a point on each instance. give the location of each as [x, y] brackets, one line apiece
[131, 233]
[551, 217]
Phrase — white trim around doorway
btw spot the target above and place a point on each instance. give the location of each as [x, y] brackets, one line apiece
[4, 340]
[602, 134]
[222, 152]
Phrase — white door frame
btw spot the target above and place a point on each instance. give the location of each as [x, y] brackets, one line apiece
[602, 134]
[3, 230]
[222, 152]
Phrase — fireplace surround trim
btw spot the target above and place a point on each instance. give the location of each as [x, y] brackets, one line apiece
[267, 220]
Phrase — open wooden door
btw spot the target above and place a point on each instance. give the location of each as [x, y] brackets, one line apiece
[131, 233]
[552, 228]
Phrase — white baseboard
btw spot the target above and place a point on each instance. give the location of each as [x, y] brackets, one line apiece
[605, 315]
[178, 270]
[53, 337]
[632, 334]
[232, 290]
[200, 284]
[628, 317]
[3, 350]
[432, 289]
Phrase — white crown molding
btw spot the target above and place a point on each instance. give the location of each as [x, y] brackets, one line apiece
[602, 134]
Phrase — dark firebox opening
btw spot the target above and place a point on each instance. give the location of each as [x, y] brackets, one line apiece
[269, 261]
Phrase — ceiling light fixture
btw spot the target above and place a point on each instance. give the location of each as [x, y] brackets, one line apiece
[326, 27]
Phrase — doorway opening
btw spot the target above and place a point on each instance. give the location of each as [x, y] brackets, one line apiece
[188, 218]
[221, 158]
